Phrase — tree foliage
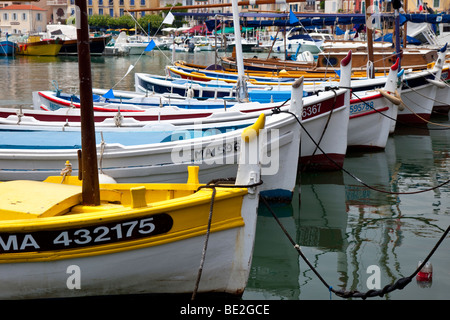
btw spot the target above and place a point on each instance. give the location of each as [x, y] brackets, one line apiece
[149, 22]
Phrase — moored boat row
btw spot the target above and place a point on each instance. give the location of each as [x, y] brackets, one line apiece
[320, 116]
[150, 213]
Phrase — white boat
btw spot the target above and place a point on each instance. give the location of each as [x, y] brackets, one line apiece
[325, 128]
[419, 92]
[124, 101]
[66, 238]
[182, 45]
[117, 46]
[163, 42]
[54, 246]
[151, 154]
[373, 114]
[160, 84]
[441, 102]
[202, 43]
[136, 44]
[296, 41]
[127, 45]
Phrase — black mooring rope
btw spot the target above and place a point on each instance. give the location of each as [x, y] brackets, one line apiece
[396, 120]
[398, 285]
[213, 185]
[278, 110]
[205, 245]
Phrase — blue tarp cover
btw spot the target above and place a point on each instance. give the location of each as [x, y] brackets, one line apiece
[388, 38]
[315, 19]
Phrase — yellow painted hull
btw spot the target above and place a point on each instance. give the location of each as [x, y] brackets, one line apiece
[178, 202]
[41, 48]
[257, 77]
[143, 238]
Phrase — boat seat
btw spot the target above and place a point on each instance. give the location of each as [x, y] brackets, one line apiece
[25, 199]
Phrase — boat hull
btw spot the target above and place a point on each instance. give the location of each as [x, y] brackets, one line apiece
[50, 100]
[324, 135]
[155, 248]
[96, 46]
[216, 155]
[441, 105]
[40, 48]
[419, 100]
[370, 122]
[7, 48]
[146, 83]
[134, 271]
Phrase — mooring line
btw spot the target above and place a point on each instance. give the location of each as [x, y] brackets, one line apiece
[213, 185]
[396, 120]
[205, 245]
[427, 121]
[278, 110]
[398, 285]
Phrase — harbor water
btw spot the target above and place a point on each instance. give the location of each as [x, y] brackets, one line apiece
[361, 228]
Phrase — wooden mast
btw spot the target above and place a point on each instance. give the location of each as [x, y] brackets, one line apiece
[90, 184]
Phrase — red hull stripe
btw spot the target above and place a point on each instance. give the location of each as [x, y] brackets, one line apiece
[77, 105]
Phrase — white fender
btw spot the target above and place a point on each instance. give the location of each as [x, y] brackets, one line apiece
[103, 178]
[437, 83]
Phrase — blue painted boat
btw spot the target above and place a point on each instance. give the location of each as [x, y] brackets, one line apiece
[125, 101]
[7, 48]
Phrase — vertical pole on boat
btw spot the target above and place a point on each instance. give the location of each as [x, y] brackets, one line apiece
[215, 41]
[396, 4]
[405, 31]
[241, 91]
[90, 186]
[397, 33]
[173, 47]
[370, 67]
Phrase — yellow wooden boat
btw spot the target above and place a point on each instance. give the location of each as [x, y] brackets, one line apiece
[142, 238]
[191, 71]
[34, 46]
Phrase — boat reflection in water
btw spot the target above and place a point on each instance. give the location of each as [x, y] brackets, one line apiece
[351, 233]
[275, 264]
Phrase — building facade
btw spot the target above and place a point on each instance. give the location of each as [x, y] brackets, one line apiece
[22, 19]
[116, 8]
